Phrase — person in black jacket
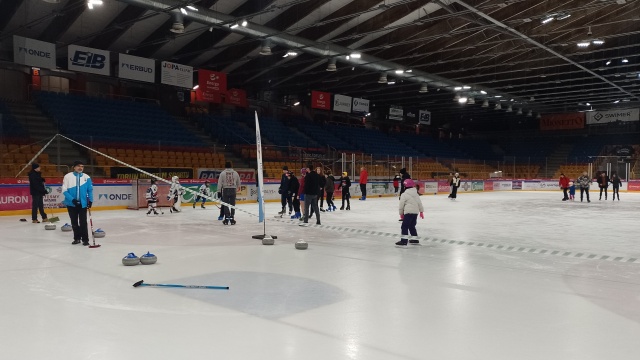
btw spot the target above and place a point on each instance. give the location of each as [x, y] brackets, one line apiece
[311, 190]
[294, 186]
[345, 185]
[322, 182]
[405, 176]
[616, 182]
[285, 197]
[38, 191]
[603, 183]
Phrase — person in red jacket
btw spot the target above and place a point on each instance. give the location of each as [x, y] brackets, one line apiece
[564, 185]
[363, 182]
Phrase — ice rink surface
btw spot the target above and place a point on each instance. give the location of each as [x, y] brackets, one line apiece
[349, 296]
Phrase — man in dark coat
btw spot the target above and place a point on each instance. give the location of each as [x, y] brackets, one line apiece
[311, 190]
[38, 191]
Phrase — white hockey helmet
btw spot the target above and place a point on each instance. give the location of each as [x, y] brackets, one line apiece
[174, 179]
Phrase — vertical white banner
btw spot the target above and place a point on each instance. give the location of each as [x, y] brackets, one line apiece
[260, 179]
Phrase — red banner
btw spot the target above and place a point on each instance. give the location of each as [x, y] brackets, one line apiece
[320, 100]
[562, 121]
[236, 97]
[634, 185]
[211, 84]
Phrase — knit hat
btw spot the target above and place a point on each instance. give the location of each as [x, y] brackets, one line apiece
[78, 162]
[227, 165]
[35, 166]
[409, 183]
[285, 168]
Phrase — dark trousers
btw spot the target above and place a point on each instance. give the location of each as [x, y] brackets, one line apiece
[582, 191]
[321, 196]
[296, 205]
[363, 190]
[229, 197]
[78, 217]
[345, 196]
[605, 192]
[311, 201]
[37, 204]
[564, 191]
[204, 199]
[330, 199]
[285, 199]
[616, 190]
[409, 225]
[395, 188]
[454, 192]
[222, 210]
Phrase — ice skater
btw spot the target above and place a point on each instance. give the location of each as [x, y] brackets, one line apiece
[229, 185]
[396, 183]
[405, 175]
[311, 190]
[294, 188]
[329, 187]
[303, 174]
[455, 184]
[175, 195]
[603, 184]
[322, 181]
[585, 183]
[563, 183]
[152, 198]
[410, 207]
[345, 185]
[364, 177]
[616, 182]
[218, 196]
[203, 192]
[285, 196]
[572, 190]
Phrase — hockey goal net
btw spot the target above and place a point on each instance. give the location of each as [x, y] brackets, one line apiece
[139, 191]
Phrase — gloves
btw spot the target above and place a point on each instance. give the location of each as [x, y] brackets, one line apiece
[89, 203]
[421, 215]
[75, 202]
[402, 217]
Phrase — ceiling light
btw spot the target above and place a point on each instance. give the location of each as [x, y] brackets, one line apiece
[196, 87]
[530, 113]
[348, 57]
[457, 88]
[617, 101]
[538, 116]
[625, 60]
[90, 5]
[331, 66]
[234, 25]
[423, 88]
[382, 79]
[483, 92]
[597, 42]
[532, 99]
[485, 104]
[177, 27]
[244, 23]
[471, 101]
[466, 87]
[563, 16]
[191, 7]
[290, 53]
[392, 82]
[608, 62]
[588, 104]
[265, 50]
[547, 19]
[583, 44]
[182, 10]
[462, 100]
[408, 71]
[399, 71]
[457, 97]
[356, 55]
[296, 103]
[498, 96]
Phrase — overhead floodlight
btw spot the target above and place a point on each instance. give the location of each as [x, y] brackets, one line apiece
[597, 42]
[266, 48]
[532, 99]
[90, 3]
[498, 106]
[356, 55]
[382, 79]
[52, 1]
[178, 23]
[563, 16]
[392, 82]
[399, 71]
[498, 96]
[244, 23]
[456, 98]
[408, 71]
[584, 44]
[485, 104]
[191, 7]
[547, 19]
[296, 103]
[234, 25]
[196, 87]
[331, 66]
[625, 60]
[519, 111]
[290, 53]
[423, 89]
[183, 11]
[617, 101]
[530, 113]
[509, 109]
[483, 92]
[471, 101]
[466, 87]
[463, 100]
[457, 88]
[608, 62]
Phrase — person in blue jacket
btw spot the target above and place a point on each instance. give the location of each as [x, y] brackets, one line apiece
[77, 189]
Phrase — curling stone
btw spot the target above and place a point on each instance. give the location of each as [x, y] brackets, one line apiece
[130, 260]
[66, 227]
[99, 233]
[302, 245]
[268, 240]
[50, 227]
[148, 259]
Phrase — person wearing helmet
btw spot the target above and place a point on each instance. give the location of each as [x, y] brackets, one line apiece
[345, 185]
[175, 194]
[410, 207]
[203, 192]
[455, 184]
[152, 197]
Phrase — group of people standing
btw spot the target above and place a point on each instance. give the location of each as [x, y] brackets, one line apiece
[584, 182]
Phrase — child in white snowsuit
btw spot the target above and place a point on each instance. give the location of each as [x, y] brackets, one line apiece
[203, 190]
[410, 207]
[152, 197]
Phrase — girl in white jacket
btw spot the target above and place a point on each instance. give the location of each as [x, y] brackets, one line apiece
[410, 207]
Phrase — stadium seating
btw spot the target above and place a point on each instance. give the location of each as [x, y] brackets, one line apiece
[159, 158]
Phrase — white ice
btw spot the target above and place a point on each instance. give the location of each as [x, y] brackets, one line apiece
[348, 296]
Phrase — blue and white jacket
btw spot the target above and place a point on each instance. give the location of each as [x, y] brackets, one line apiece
[77, 186]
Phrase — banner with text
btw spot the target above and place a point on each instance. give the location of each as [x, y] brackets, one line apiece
[176, 75]
[601, 117]
[360, 105]
[121, 172]
[236, 97]
[396, 113]
[424, 117]
[33, 52]
[342, 103]
[136, 68]
[89, 60]
[320, 100]
[562, 121]
[246, 175]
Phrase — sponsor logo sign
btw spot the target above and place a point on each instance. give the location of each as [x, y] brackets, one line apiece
[443, 186]
[320, 100]
[488, 186]
[360, 105]
[246, 175]
[430, 187]
[396, 113]
[121, 172]
[465, 186]
[634, 185]
[136, 68]
[89, 60]
[342, 103]
[237, 97]
[601, 117]
[562, 121]
[33, 52]
[477, 186]
[424, 117]
[516, 185]
[176, 74]
[411, 116]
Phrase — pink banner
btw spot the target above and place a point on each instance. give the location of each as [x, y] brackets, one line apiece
[633, 185]
[488, 186]
[443, 186]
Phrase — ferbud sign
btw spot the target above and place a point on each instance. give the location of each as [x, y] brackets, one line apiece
[137, 68]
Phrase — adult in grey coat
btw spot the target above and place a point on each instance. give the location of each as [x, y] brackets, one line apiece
[585, 182]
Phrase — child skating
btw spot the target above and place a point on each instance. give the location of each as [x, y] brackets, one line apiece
[410, 207]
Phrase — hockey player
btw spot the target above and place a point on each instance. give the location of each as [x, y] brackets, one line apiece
[345, 185]
[152, 197]
[175, 194]
[229, 185]
[205, 191]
